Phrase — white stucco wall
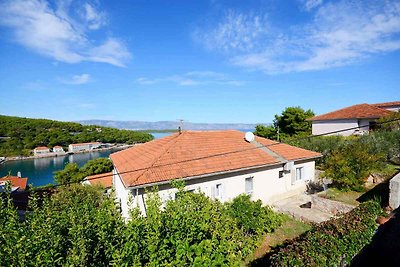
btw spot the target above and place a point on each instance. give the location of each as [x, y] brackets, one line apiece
[322, 127]
[267, 186]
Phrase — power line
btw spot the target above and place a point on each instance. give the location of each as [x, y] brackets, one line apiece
[227, 153]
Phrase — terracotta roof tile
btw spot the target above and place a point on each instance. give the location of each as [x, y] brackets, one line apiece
[387, 104]
[41, 148]
[361, 111]
[103, 179]
[194, 153]
[16, 181]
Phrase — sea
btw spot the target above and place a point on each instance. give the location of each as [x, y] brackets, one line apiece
[41, 171]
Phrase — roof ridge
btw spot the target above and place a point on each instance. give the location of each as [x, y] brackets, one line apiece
[175, 139]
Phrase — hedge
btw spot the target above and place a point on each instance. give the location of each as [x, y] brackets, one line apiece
[330, 243]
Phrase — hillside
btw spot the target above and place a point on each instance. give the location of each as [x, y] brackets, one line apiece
[163, 125]
[18, 136]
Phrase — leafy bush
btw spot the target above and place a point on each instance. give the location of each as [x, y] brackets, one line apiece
[72, 173]
[80, 226]
[331, 242]
[252, 217]
[350, 165]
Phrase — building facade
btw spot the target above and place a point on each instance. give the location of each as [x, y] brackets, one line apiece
[73, 148]
[221, 164]
[353, 120]
[41, 150]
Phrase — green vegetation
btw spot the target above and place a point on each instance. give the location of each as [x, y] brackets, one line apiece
[23, 134]
[289, 229]
[292, 122]
[72, 173]
[80, 226]
[330, 243]
[348, 161]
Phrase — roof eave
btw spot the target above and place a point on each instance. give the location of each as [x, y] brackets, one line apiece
[218, 173]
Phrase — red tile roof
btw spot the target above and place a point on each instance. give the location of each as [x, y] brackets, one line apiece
[42, 148]
[387, 104]
[16, 181]
[194, 153]
[103, 179]
[82, 144]
[57, 147]
[361, 111]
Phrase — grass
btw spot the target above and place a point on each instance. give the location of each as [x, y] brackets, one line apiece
[348, 197]
[289, 229]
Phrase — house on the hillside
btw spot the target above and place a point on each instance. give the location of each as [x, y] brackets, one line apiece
[58, 149]
[73, 148]
[222, 164]
[17, 183]
[357, 119]
[102, 179]
[41, 150]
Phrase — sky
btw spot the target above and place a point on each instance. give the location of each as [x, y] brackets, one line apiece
[201, 61]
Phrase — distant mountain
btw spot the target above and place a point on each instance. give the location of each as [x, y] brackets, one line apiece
[169, 125]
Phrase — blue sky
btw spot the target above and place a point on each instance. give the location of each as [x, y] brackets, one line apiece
[202, 61]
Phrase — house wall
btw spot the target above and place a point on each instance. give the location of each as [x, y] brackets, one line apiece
[322, 127]
[267, 186]
[393, 108]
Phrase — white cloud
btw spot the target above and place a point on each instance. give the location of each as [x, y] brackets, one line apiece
[93, 17]
[78, 79]
[339, 34]
[310, 4]
[193, 78]
[53, 32]
[236, 31]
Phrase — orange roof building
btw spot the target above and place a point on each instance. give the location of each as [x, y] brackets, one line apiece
[102, 179]
[17, 183]
[222, 164]
[356, 119]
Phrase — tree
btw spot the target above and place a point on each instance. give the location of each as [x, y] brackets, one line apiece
[97, 166]
[73, 174]
[69, 174]
[350, 165]
[292, 122]
[266, 131]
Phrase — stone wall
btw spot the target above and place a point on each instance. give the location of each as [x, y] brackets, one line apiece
[394, 192]
[330, 206]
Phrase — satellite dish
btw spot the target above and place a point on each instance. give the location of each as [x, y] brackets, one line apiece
[249, 137]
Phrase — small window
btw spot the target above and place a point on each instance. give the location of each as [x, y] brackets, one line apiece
[249, 185]
[299, 173]
[281, 174]
[218, 191]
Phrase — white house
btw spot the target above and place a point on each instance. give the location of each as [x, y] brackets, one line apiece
[41, 150]
[72, 148]
[357, 119]
[58, 149]
[222, 164]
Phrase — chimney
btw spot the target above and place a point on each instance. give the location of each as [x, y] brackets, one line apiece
[179, 129]
[19, 174]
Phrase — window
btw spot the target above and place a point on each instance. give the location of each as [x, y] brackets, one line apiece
[281, 174]
[299, 173]
[218, 191]
[248, 185]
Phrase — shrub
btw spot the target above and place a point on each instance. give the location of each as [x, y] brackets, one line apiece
[349, 166]
[331, 242]
[252, 217]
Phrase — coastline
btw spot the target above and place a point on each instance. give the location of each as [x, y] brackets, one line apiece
[61, 154]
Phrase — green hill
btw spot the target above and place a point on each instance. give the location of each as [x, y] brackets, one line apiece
[18, 136]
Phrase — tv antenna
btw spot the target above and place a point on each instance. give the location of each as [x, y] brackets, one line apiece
[180, 128]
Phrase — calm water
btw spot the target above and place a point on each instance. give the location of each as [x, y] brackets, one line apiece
[41, 171]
